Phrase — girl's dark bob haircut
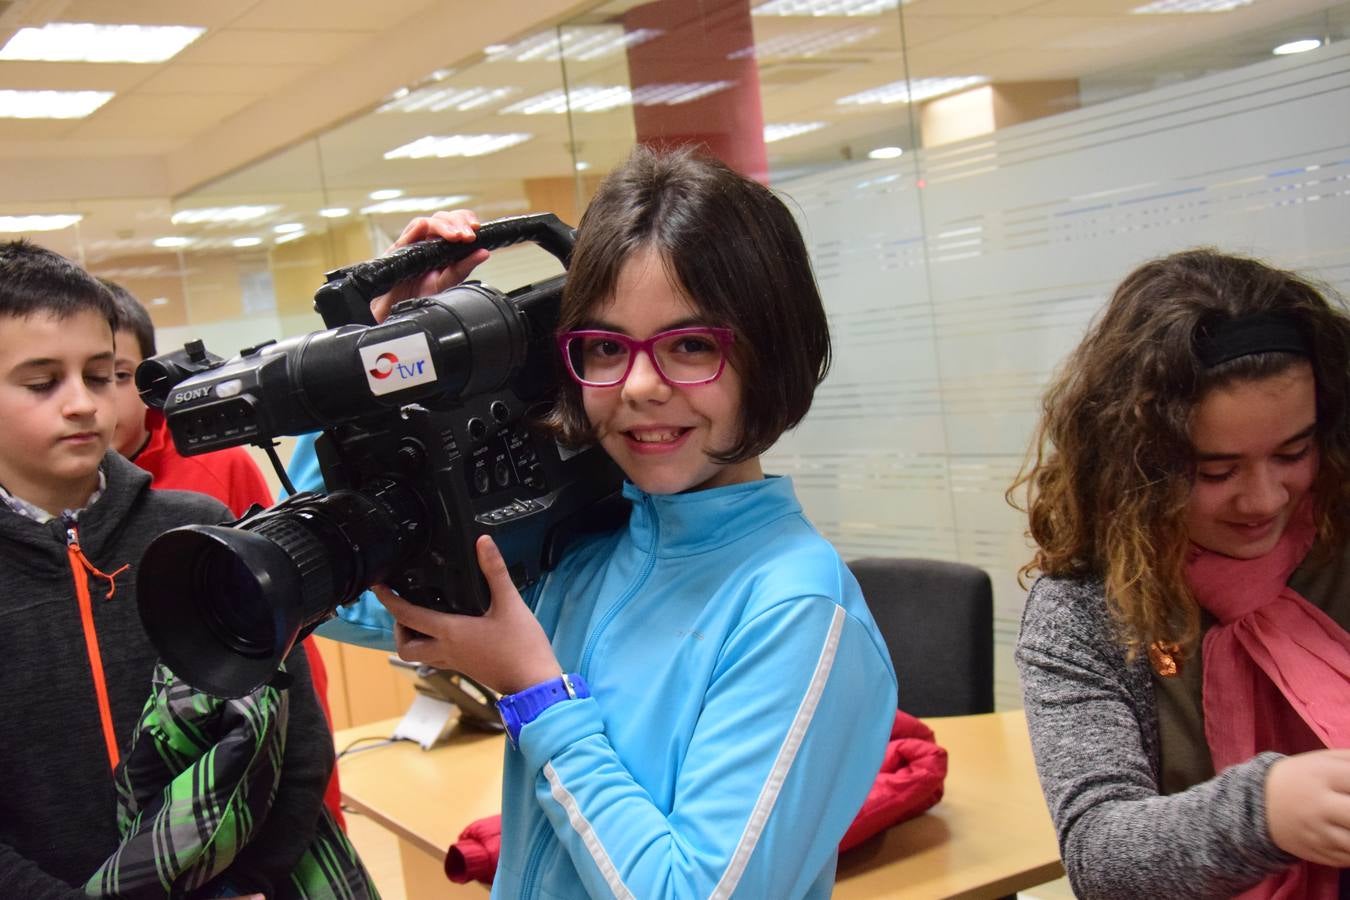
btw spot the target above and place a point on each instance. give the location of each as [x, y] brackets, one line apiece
[731, 245]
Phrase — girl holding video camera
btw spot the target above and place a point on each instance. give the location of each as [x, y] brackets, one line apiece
[698, 701]
[1185, 656]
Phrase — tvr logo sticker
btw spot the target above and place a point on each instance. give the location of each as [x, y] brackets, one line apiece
[398, 364]
[387, 364]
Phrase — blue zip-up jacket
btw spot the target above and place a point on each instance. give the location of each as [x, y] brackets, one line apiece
[741, 701]
[726, 601]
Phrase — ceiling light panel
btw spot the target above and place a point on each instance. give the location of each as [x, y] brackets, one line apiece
[1178, 7]
[51, 104]
[440, 147]
[214, 215]
[580, 43]
[582, 99]
[912, 90]
[600, 99]
[823, 7]
[84, 42]
[781, 131]
[1302, 46]
[26, 224]
[438, 99]
[807, 44]
[414, 204]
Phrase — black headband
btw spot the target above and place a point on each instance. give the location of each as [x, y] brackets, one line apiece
[1264, 332]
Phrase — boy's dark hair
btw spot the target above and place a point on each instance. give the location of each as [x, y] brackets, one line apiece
[36, 280]
[735, 249]
[131, 316]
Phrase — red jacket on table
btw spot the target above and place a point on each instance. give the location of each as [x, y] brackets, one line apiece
[233, 478]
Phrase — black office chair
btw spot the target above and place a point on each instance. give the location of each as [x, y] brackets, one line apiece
[938, 621]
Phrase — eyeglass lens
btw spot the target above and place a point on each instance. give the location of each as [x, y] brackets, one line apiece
[684, 358]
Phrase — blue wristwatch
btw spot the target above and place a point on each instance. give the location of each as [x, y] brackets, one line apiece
[522, 708]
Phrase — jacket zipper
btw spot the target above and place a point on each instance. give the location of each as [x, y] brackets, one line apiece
[540, 836]
[539, 843]
[591, 642]
[80, 569]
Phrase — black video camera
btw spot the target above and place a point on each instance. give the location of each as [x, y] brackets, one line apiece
[430, 439]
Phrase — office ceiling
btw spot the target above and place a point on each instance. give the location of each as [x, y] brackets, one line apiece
[211, 126]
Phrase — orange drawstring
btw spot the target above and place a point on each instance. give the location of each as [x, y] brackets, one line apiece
[78, 562]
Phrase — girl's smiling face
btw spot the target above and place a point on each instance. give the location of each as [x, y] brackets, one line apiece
[1255, 461]
[663, 435]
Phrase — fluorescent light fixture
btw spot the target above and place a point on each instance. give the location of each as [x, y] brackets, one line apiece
[582, 165]
[436, 99]
[334, 212]
[214, 215]
[85, 42]
[885, 153]
[246, 242]
[910, 91]
[806, 44]
[288, 227]
[675, 93]
[824, 7]
[578, 42]
[290, 236]
[1302, 46]
[51, 104]
[168, 243]
[25, 224]
[589, 99]
[158, 301]
[581, 99]
[386, 194]
[1178, 7]
[414, 204]
[781, 131]
[440, 147]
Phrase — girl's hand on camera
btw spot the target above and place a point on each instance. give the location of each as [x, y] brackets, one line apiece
[1308, 806]
[504, 649]
[460, 225]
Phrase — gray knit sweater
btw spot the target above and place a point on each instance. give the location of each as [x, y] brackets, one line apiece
[1094, 730]
[58, 804]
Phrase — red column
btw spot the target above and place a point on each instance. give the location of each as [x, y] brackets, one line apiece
[706, 41]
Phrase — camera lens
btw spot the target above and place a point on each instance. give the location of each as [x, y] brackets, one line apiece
[224, 605]
[242, 621]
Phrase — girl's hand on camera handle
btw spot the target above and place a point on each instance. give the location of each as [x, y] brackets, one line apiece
[459, 225]
[505, 648]
[1308, 806]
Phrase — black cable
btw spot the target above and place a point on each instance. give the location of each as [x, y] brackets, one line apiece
[270, 448]
[383, 742]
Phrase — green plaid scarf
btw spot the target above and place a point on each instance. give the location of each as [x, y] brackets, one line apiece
[197, 783]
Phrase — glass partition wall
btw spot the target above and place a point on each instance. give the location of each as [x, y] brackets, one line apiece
[972, 176]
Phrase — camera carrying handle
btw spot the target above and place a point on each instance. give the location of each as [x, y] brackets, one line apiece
[345, 299]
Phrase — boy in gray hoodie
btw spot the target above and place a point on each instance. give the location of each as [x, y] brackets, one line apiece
[75, 663]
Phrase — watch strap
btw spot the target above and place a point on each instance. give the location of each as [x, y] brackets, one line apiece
[523, 707]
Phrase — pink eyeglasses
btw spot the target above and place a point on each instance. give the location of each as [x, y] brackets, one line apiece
[682, 356]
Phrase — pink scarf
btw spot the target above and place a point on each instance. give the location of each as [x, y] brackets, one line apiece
[1276, 670]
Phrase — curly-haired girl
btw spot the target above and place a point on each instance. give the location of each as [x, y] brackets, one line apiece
[1184, 656]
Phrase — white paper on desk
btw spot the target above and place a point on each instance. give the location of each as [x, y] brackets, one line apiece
[427, 721]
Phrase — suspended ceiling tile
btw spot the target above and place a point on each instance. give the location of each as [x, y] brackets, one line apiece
[162, 115]
[922, 31]
[250, 47]
[334, 15]
[19, 130]
[62, 76]
[207, 13]
[214, 79]
[983, 9]
[103, 148]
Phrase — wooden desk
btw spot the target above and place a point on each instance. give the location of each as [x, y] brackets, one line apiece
[990, 835]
